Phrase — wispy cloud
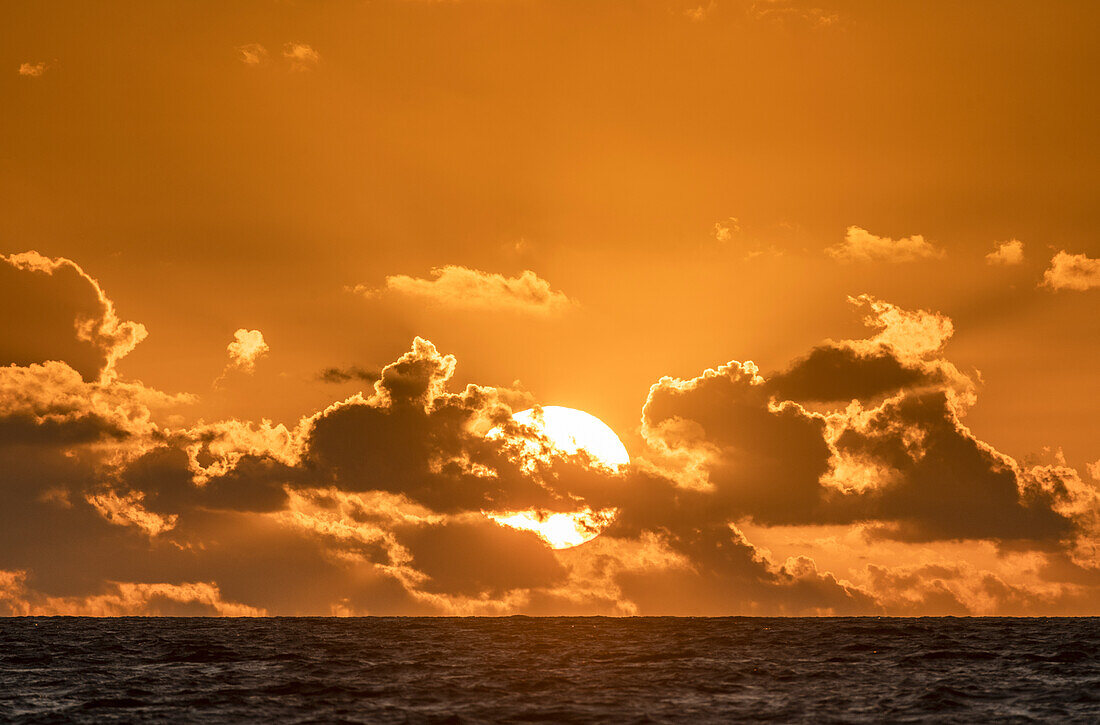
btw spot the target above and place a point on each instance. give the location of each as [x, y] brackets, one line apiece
[344, 375]
[700, 12]
[33, 70]
[301, 56]
[796, 11]
[252, 54]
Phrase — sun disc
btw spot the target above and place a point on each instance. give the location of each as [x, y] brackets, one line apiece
[571, 430]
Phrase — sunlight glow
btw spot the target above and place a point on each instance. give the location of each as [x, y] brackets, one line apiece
[568, 431]
[571, 430]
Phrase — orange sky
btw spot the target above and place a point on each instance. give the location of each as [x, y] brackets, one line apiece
[574, 200]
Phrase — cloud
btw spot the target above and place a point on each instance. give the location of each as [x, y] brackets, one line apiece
[59, 312]
[831, 373]
[894, 456]
[909, 333]
[252, 54]
[119, 600]
[794, 11]
[724, 230]
[1006, 253]
[302, 57]
[388, 501]
[1073, 272]
[33, 70]
[698, 13]
[860, 245]
[461, 287]
[246, 349]
[342, 375]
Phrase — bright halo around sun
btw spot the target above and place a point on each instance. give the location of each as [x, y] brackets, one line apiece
[571, 430]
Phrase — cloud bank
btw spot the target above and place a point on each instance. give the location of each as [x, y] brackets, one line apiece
[388, 501]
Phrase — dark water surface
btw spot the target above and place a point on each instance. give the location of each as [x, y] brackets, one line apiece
[551, 670]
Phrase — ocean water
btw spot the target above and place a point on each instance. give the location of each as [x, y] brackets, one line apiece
[520, 669]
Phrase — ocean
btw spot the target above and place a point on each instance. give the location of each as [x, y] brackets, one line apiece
[520, 669]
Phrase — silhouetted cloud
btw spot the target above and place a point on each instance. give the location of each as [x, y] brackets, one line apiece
[56, 311]
[833, 373]
[347, 374]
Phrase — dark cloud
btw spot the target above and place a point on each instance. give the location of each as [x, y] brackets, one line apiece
[832, 373]
[344, 375]
[167, 481]
[942, 483]
[55, 311]
[761, 461]
[483, 558]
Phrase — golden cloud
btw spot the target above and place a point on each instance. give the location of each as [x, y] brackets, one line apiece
[247, 347]
[461, 287]
[860, 245]
[1073, 272]
[1006, 253]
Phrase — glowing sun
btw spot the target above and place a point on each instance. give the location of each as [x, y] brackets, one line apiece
[569, 431]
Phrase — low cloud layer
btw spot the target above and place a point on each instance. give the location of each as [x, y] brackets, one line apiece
[386, 502]
[860, 245]
[461, 287]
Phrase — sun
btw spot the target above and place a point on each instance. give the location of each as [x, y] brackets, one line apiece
[569, 431]
[559, 530]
